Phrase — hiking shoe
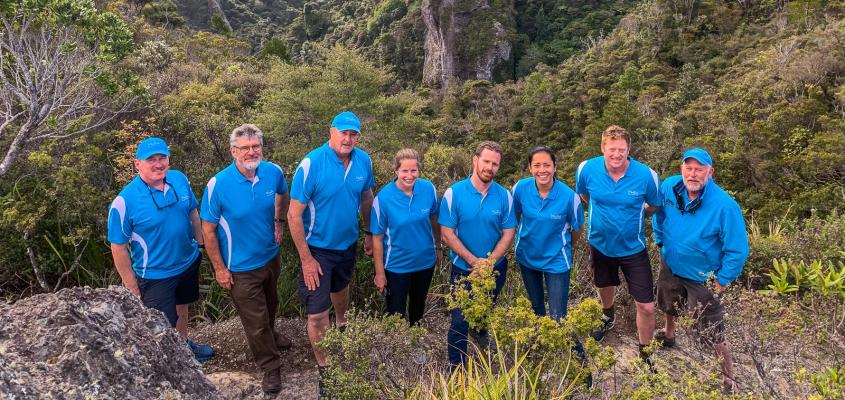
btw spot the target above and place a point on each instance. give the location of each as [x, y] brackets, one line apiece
[606, 326]
[282, 342]
[649, 363]
[271, 383]
[663, 341]
[202, 352]
[322, 393]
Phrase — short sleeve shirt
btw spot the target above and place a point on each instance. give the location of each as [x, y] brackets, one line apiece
[477, 220]
[405, 222]
[157, 225]
[244, 211]
[332, 195]
[543, 238]
[616, 217]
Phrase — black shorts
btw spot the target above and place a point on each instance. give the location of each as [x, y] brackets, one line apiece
[675, 294]
[165, 294]
[337, 267]
[636, 268]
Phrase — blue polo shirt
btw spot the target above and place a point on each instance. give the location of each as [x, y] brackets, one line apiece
[332, 194]
[710, 239]
[478, 220]
[244, 211]
[543, 238]
[616, 217]
[405, 222]
[157, 225]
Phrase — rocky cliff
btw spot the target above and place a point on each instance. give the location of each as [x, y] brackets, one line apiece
[466, 39]
[83, 343]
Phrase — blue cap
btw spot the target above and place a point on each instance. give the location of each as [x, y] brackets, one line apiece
[699, 155]
[150, 147]
[347, 121]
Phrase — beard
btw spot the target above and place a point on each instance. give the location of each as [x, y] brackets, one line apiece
[694, 187]
[251, 165]
[485, 176]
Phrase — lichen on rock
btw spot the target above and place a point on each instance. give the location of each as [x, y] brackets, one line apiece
[94, 343]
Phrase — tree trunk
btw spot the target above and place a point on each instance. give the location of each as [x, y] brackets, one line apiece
[15, 148]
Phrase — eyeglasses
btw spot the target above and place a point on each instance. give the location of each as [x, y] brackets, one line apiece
[167, 202]
[256, 148]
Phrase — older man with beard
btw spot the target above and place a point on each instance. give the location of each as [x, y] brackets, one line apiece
[243, 211]
[477, 222]
[702, 237]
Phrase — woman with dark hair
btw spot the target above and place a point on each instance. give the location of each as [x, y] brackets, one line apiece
[406, 237]
[550, 217]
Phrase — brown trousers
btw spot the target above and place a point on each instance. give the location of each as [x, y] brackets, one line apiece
[255, 297]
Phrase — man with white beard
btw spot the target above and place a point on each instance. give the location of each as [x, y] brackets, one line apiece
[243, 210]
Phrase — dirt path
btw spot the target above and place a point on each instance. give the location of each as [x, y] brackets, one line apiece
[234, 373]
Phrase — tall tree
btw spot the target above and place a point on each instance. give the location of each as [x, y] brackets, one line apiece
[57, 72]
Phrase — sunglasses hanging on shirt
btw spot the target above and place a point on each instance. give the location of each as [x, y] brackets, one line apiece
[166, 200]
[694, 205]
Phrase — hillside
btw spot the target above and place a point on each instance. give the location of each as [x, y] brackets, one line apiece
[757, 83]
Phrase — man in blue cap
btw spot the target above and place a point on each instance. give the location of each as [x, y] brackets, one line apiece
[332, 183]
[702, 238]
[155, 236]
[243, 210]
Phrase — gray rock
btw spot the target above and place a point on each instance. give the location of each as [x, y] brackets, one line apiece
[465, 39]
[83, 343]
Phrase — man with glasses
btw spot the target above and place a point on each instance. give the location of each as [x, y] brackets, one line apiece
[154, 230]
[243, 209]
[702, 238]
[332, 183]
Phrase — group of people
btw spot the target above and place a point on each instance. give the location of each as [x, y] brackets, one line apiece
[156, 233]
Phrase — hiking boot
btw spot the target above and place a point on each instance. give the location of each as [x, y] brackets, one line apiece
[282, 342]
[606, 326]
[728, 386]
[663, 341]
[322, 393]
[202, 352]
[271, 383]
[645, 355]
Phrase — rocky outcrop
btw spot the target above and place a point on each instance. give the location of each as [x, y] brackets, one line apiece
[85, 343]
[465, 39]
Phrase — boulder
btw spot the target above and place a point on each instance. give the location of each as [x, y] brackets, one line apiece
[82, 343]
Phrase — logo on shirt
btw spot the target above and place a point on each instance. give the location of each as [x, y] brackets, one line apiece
[634, 193]
[269, 193]
[183, 198]
[496, 212]
[425, 210]
[555, 216]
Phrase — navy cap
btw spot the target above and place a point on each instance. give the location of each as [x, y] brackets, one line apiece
[347, 121]
[699, 155]
[150, 147]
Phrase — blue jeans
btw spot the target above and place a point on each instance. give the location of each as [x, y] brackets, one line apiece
[459, 327]
[558, 286]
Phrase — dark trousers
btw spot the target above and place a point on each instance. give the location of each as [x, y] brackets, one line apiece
[255, 298]
[408, 289]
[459, 327]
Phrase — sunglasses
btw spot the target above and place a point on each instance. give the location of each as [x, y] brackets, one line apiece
[166, 200]
[679, 189]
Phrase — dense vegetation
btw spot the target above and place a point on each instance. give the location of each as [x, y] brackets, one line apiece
[758, 83]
